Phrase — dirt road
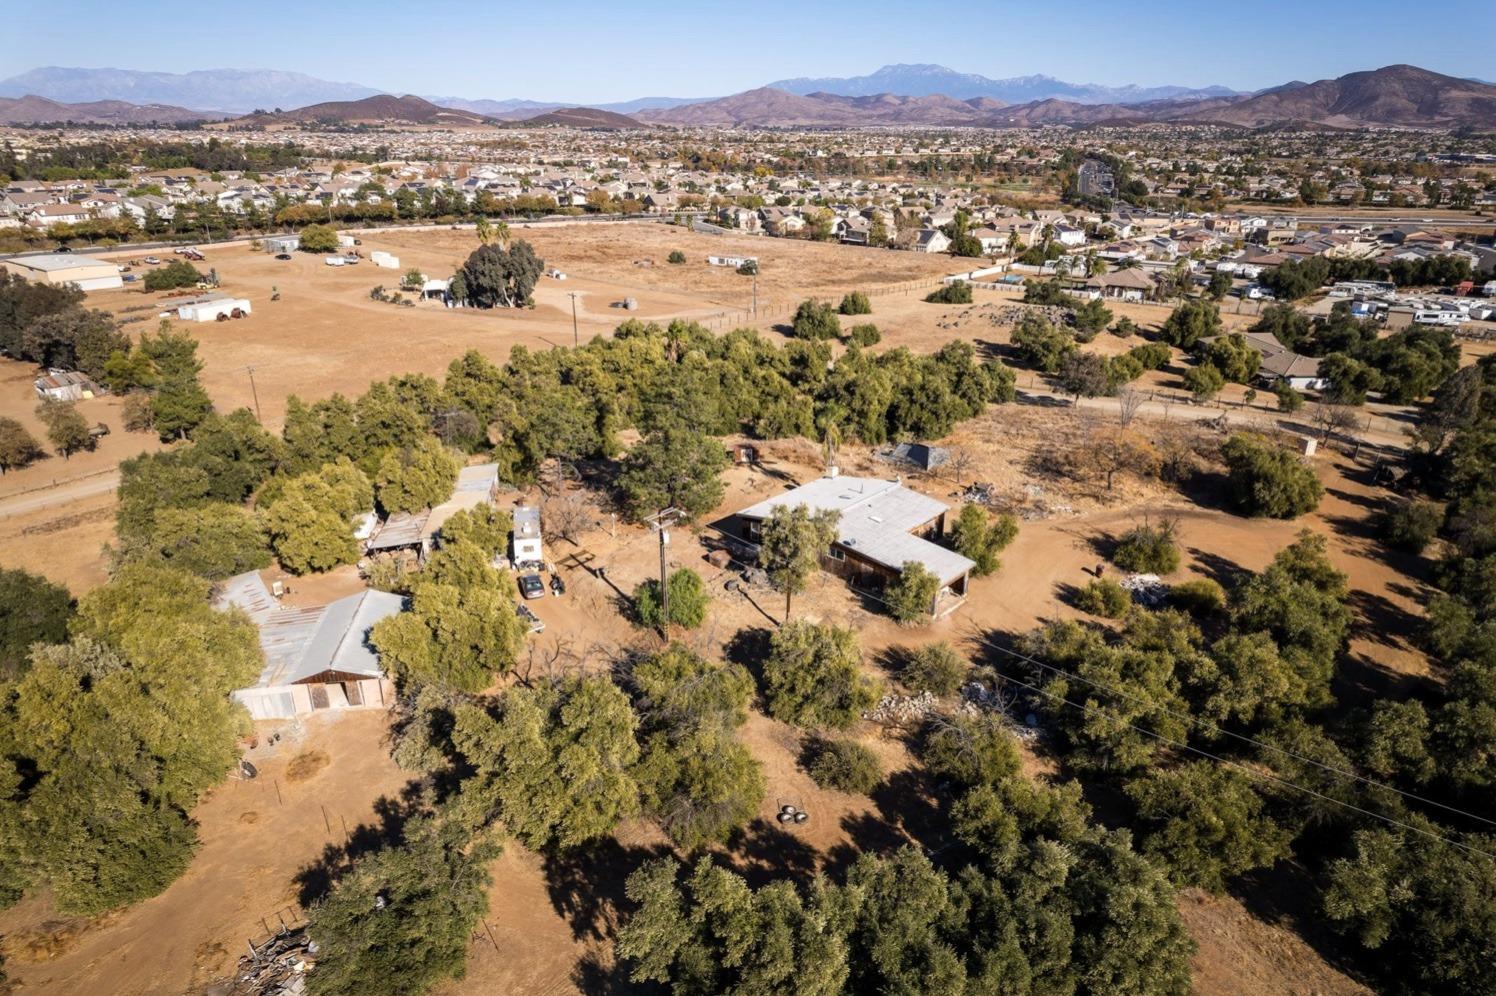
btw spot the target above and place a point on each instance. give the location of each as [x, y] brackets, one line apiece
[63, 493]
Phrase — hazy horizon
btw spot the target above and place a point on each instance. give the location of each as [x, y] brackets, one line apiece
[597, 53]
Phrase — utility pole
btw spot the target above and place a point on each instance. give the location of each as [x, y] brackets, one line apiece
[255, 392]
[575, 339]
[755, 291]
[662, 521]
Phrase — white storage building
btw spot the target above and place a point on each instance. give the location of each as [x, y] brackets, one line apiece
[86, 273]
[208, 307]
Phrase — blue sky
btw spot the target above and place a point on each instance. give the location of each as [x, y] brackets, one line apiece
[586, 51]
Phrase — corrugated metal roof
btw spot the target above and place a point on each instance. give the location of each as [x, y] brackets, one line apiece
[400, 529]
[301, 642]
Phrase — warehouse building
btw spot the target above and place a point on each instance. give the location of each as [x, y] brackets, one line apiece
[86, 273]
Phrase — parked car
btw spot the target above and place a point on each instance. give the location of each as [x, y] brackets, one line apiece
[282, 255]
[530, 586]
[152, 261]
[129, 278]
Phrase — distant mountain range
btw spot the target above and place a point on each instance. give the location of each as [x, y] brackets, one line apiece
[929, 81]
[1394, 96]
[233, 91]
[32, 109]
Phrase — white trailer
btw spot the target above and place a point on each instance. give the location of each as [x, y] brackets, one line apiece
[526, 547]
[210, 309]
[381, 258]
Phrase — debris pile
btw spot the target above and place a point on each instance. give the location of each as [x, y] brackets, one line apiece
[1147, 589]
[278, 967]
[902, 708]
[980, 494]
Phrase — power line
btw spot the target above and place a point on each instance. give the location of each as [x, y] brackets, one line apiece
[1212, 727]
[1260, 774]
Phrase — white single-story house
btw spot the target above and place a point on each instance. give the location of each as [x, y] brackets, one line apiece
[883, 526]
[315, 658]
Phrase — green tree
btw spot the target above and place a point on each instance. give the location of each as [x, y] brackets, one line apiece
[1084, 375]
[1090, 318]
[815, 320]
[1269, 480]
[461, 629]
[688, 600]
[1233, 357]
[1104, 597]
[1192, 321]
[495, 277]
[1041, 344]
[179, 404]
[955, 292]
[791, 545]
[1220, 285]
[554, 764]
[980, 538]
[486, 526]
[319, 238]
[813, 676]
[32, 610]
[18, 448]
[1411, 525]
[1206, 823]
[416, 477]
[694, 776]
[970, 749]
[215, 541]
[677, 467]
[714, 934]
[399, 919]
[911, 596]
[310, 524]
[66, 429]
[177, 273]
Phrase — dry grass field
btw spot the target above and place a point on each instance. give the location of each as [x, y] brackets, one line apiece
[549, 929]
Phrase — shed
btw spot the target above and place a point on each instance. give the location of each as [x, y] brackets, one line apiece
[381, 258]
[275, 244]
[65, 385]
[919, 455]
[209, 307]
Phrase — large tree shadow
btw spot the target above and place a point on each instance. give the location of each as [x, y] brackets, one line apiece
[1286, 895]
[763, 852]
[316, 880]
[586, 884]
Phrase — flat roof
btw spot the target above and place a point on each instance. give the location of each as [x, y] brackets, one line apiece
[876, 519]
[48, 262]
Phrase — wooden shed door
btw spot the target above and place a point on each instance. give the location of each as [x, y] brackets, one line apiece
[354, 692]
[319, 696]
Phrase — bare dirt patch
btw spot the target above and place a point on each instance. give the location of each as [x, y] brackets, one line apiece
[307, 765]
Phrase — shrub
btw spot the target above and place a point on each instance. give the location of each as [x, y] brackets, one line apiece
[1104, 597]
[676, 256]
[935, 668]
[688, 600]
[1204, 381]
[1152, 355]
[856, 303]
[1148, 549]
[980, 538]
[911, 597]
[815, 320]
[1040, 343]
[1200, 596]
[177, 273]
[864, 335]
[1268, 480]
[842, 765]
[1289, 400]
[1124, 328]
[813, 676]
[955, 292]
[1045, 292]
[749, 268]
[1411, 525]
[1190, 322]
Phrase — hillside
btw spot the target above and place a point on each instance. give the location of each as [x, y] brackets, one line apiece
[930, 80]
[583, 117]
[32, 109]
[1400, 96]
[379, 109]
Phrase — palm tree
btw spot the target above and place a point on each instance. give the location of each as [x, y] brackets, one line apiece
[484, 230]
[1013, 243]
[501, 233]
